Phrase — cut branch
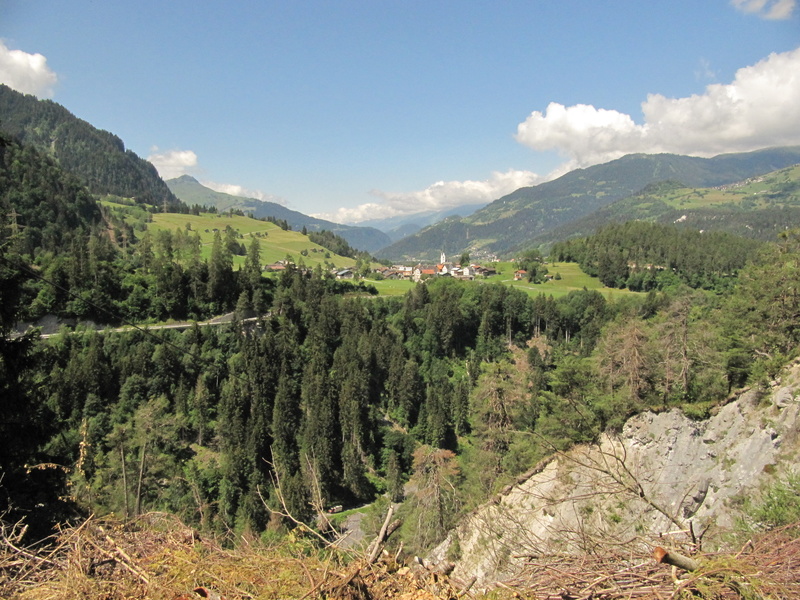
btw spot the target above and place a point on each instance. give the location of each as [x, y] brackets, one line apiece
[675, 559]
[387, 529]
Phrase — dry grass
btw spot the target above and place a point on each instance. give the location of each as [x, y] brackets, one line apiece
[153, 557]
[156, 557]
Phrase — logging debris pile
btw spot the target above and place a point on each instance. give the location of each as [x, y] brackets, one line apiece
[157, 558]
[765, 568]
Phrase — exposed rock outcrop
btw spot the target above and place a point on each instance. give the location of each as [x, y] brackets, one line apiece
[661, 475]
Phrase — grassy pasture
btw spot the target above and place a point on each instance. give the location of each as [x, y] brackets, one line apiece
[276, 244]
[392, 287]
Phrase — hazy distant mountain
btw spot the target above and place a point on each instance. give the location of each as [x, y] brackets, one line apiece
[98, 158]
[520, 217]
[401, 226]
[191, 191]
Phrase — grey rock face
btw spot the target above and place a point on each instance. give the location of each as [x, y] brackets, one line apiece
[662, 475]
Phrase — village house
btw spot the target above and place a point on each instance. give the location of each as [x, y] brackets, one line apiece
[463, 273]
[467, 271]
[404, 271]
[421, 272]
[485, 271]
[276, 267]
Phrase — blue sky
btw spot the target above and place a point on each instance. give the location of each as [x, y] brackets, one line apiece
[352, 110]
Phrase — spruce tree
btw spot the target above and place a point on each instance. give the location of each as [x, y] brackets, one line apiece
[221, 289]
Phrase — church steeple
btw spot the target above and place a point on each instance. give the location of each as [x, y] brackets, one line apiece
[443, 258]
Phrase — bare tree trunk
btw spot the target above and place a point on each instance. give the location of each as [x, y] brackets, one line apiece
[685, 360]
[124, 481]
[382, 535]
[141, 476]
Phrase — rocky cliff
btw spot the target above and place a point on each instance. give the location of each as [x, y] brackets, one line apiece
[663, 475]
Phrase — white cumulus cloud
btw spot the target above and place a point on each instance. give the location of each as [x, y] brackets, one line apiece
[26, 73]
[439, 196]
[585, 134]
[760, 108]
[173, 163]
[767, 9]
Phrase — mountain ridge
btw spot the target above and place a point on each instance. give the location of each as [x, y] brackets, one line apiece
[191, 191]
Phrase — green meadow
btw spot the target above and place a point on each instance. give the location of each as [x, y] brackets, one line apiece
[276, 244]
[392, 287]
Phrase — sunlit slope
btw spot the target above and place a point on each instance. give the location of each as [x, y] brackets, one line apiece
[275, 243]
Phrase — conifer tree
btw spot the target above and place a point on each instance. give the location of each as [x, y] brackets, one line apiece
[353, 413]
[220, 274]
[286, 421]
[252, 266]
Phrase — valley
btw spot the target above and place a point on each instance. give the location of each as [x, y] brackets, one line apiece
[620, 374]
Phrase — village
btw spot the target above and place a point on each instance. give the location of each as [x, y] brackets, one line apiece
[417, 273]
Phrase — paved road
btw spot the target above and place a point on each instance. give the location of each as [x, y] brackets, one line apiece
[220, 320]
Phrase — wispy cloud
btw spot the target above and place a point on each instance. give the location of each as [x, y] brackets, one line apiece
[704, 72]
[775, 10]
[760, 108]
[26, 73]
[439, 196]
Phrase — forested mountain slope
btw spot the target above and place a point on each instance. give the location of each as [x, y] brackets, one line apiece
[516, 219]
[61, 254]
[82, 261]
[43, 208]
[98, 158]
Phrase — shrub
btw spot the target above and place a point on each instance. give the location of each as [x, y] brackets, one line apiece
[777, 506]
